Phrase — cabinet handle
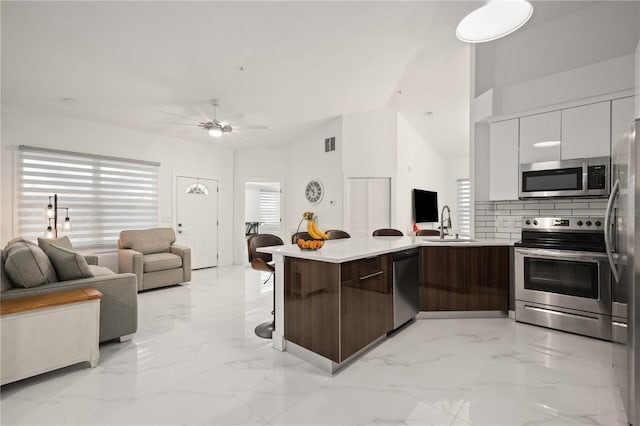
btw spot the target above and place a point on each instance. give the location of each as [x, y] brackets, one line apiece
[375, 274]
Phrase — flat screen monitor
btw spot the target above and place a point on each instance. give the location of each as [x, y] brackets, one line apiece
[425, 206]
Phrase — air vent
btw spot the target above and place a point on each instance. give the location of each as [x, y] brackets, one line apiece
[330, 144]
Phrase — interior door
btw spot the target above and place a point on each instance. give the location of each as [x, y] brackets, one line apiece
[197, 219]
[368, 205]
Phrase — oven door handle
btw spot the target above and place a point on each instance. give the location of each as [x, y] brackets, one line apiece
[607, 230]
[561, 254]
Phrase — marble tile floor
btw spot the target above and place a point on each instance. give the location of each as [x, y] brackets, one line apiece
[196, 360]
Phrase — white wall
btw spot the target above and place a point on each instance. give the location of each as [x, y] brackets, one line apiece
[419, 166]
[309, 161]
[177, 157]
[251, 204]
[566, 52]
[600, 78]
[370, 144]
[455, 168]
[560, 37]
[293, 164]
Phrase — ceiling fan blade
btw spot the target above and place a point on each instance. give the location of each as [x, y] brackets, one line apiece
[180, 124]
[202, 114]
[237, 117]
[252, 127]
[178, 115]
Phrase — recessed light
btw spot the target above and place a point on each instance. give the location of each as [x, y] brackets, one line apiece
[546, 144]
[69, 101]
[495, 19]
[429, 113]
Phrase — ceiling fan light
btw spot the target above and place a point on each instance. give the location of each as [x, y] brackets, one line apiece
[215, 131]
[495, 19]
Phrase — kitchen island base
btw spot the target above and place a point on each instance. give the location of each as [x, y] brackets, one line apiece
[333, 305]
[326, 364]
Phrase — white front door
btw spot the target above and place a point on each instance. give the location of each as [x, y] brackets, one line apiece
[197, 219]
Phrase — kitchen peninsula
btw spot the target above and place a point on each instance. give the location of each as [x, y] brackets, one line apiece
[335, 303]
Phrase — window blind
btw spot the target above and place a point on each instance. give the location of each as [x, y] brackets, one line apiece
[104, 195]
[464, 206]
[269, 203]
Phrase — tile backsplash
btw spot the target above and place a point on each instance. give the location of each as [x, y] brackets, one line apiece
[503, 219]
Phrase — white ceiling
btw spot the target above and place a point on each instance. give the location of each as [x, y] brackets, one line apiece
[287, 65]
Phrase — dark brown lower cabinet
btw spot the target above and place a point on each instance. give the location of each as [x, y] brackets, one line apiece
[366, 303]
[442, 278]
[334, 309]
[488, 284]
[464, 278]
[311, 305]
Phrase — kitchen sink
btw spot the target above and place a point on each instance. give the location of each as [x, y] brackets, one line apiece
[450, 240]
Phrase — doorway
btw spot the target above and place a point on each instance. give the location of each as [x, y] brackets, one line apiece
[262, 208]
[197, 219]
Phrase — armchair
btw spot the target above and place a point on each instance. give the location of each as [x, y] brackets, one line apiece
[154, 257]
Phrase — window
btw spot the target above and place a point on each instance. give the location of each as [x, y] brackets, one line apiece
[464, 206]
[104, 195]
[269, 203]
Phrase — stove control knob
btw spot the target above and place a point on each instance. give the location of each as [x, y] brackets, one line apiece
[598, 223]
[579, 223]
[535, 222]
[588, 223]
[528, 222]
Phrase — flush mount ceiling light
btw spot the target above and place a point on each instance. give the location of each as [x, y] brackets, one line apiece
[495, 19]
[546, 144]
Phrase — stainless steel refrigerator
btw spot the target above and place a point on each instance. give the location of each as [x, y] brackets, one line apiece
[622, 236]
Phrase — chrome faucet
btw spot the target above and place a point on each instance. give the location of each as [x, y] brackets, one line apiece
[442, 223]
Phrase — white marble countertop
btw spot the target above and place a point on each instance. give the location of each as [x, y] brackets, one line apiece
[347, 249]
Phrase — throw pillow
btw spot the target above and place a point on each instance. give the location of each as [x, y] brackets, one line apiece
[15, 240]
[26, 265]
[60, 242]
[68, 264]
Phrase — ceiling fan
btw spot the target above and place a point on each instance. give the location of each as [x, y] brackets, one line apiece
[212, 126]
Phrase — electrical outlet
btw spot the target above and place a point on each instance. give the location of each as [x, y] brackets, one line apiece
[504, 222]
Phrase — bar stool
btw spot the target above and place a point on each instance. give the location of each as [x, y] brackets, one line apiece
[263, 262]
[387, 232]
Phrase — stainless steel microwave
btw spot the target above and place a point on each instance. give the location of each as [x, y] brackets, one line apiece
[580, 177]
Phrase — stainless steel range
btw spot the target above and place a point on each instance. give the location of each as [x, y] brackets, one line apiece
[563, 277]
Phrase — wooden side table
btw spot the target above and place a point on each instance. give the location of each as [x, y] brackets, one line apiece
[42, 333]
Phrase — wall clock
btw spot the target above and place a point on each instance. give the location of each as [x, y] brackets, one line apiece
[314, 191]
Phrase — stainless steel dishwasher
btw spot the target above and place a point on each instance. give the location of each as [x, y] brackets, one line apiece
[405, 286]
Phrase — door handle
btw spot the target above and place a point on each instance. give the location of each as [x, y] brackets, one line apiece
[607, 231]
[375, 274]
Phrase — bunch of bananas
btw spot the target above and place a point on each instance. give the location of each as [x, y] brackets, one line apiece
[312, 228]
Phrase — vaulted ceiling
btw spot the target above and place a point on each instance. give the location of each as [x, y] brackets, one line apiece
[285, 65]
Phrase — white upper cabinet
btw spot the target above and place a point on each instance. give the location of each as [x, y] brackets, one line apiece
[622, 113]
[503, 160]
[586, 131]
[539, 137]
